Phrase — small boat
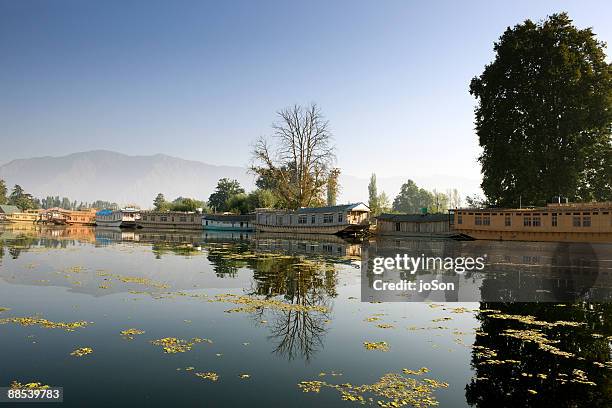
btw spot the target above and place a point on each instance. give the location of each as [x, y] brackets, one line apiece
[124, 218]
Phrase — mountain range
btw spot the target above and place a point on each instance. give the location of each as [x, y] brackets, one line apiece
[125, 179]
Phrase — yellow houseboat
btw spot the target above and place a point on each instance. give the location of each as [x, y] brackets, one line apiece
[570, 222]
[28, 216]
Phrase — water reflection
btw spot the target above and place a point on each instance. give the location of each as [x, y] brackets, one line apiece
[312, 271]
[579, 378]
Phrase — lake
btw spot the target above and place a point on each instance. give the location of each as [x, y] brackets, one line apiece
[227, 319]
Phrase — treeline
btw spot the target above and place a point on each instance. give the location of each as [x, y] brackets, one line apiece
[412, 199]
[26, 201]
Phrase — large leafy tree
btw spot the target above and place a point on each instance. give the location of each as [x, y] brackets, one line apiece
[226, 188]
[299, 158]
[21, 199]
[411, 198]
[160, 203]
[544, 115]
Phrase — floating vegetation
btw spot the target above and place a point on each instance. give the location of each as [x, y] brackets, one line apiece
[372, 319]
[172, 345]
[253, 304]
[394, 390]
[420, 371]
[37, 321]
[539, 338]
[83, 351]
[208, 375]
[442, 319]
[16, 385]
[381, 345]
[384, 326]
[245, 376]
[141, 281]
[332, 373]
[4, 309]
[130, 333]
[531, 320]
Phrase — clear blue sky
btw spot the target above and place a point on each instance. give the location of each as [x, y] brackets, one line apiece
[201, 80]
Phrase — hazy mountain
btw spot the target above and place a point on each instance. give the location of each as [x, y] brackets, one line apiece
[106, 175]
[111, 176]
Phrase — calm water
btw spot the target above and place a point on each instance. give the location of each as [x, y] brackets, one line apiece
[167, 285]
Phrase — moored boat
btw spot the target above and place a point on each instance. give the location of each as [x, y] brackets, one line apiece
[339, 219]
[124, 218]
[170, 220]
[228, 222]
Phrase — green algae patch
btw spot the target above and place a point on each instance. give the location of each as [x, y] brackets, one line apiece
[83, 351]
[129, 334]
[391, 390]
[37, 321]
[252, 304]
[208, 375]
[16, 385]
[173, 345]
[381, 345]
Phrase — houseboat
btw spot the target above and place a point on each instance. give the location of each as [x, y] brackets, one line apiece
[6, 210]
[125, 218]
[561, 222]
[338, 219]
[417, 225]
[228, 222]
[170, 220]
[28, 216]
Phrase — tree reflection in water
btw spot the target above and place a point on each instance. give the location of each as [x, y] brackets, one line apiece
[550, 377]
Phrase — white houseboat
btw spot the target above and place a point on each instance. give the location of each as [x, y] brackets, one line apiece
[170, 220]
[338, 219]
[125, 218]
[228, 222]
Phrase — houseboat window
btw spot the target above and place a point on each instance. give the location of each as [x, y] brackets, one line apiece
[605, 213]
[595, 213]
[459, 219]
[586, 221]
[527, 221]
[206, 222]
[328, 218]
[302, 219]
[173, 219]
[183, 219]
[537, 221]
[486, 220]
[340, 217]
[241, 224]
[313, 219]
[163, 218]
[279, 220]
[192, 219]
[478, 219]
[398, 226]
[554, 221]
[576, 221]
[144, 217]
[507, 220]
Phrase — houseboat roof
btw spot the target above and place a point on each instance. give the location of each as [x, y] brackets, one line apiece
[104, 212]
[413, 217]
[606, 205]
[334, 208]
[8, 209]
[229, 217]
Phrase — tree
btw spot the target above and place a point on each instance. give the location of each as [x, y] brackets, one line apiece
[301, 158]
[454, 198]
[3, 198]
[22, 199]
[373, 202]
[226, 188]
[332, 186]
[262, 199]
[477, 201]
[411, 198]
[186, 204]
[383, 203]
[440, 202]
[160, 203]
[544, 115]
[238, 203]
